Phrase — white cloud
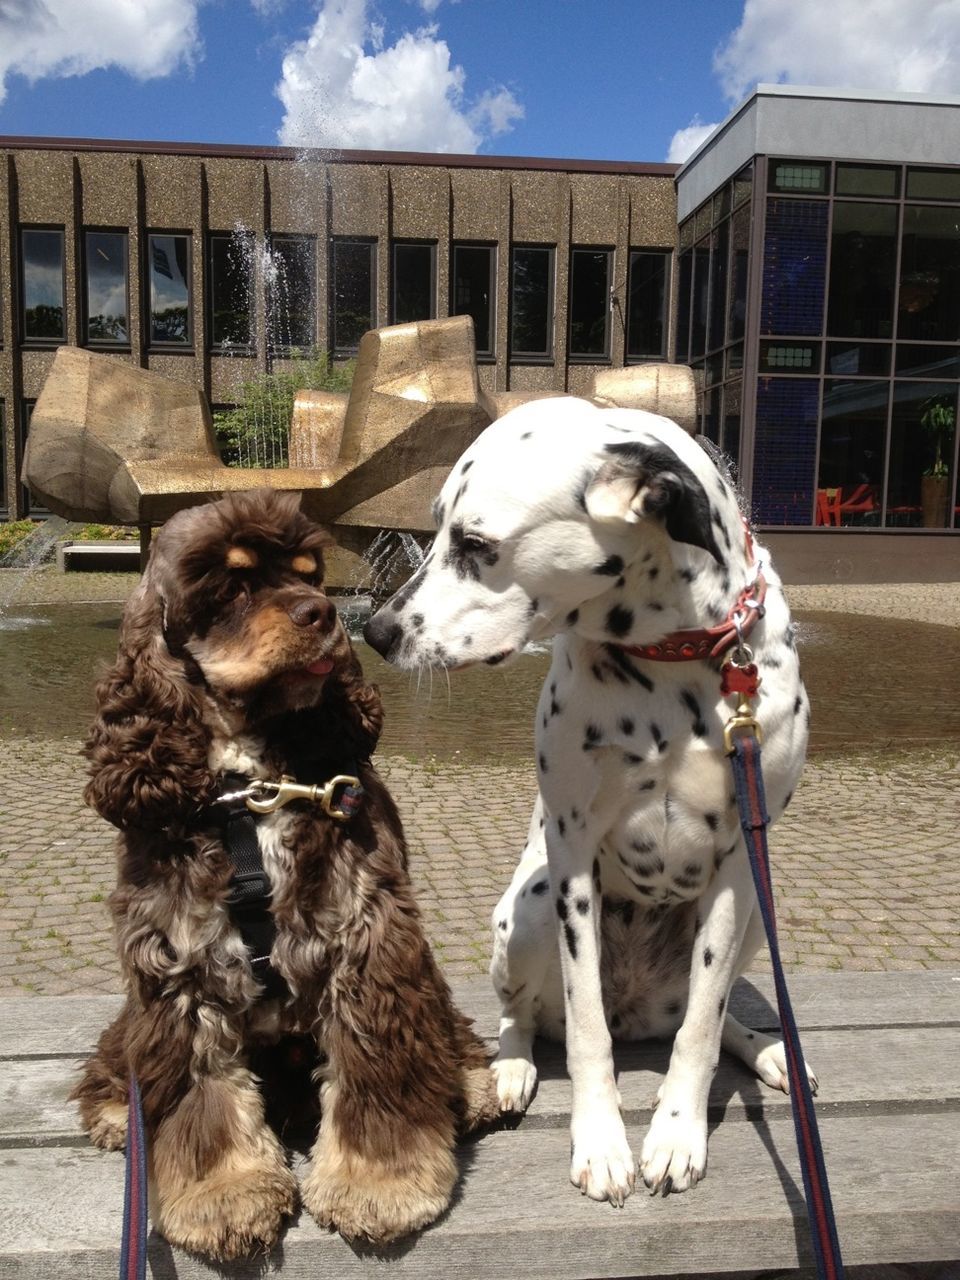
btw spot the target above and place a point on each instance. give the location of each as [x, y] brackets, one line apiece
[883, 45]
[685, 141]
[345, 87]
[146, 38]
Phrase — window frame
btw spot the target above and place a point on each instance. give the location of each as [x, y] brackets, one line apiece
[28, 340]
[105, 344]
[667, 256]
[591, 357]
[486, 354]
[247, 347]
[156, 344]
[520, 356]
[370, 243]
[275, 346]
[395, 245]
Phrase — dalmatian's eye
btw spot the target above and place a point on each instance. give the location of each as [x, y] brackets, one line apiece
[476, 545]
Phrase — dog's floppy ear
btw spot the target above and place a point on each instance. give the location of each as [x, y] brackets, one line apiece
[639, 481]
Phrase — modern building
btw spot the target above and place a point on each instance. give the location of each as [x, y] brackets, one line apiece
[805, 261]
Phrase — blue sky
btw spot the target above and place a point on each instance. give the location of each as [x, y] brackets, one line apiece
[607, 79]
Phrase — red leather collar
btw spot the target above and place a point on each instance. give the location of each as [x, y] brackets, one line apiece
[702, 643]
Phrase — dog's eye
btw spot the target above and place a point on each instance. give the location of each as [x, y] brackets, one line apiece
[474, 543]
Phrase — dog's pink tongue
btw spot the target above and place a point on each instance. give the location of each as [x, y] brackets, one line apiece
[322, 667]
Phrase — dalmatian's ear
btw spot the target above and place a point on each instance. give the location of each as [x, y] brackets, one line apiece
[639, 482]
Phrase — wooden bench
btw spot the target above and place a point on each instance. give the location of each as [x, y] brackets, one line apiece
[886, 1049]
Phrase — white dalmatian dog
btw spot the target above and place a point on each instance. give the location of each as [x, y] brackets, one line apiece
[632, 910]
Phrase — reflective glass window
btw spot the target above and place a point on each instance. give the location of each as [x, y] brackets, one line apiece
[649, 273]
[414, 283]
[42, 267]
[684, 283]
[292, 293]
[229, 290]
[867, 180]
[915, 361]
[797, 175]
[171, 319]
[785, 450]
[473, 291]
[858, 359]
[933, 184]
[743, 185]
[852, 437]
[739, 261]
[589, 303]
[922, 437]
[863, 256]
[531, 302]
[732, 407]
[794, 267]
[353, 292]
[699, 300]
[712, 423]
[929, 302]
[105, 287]
[789, 357]
[719, 266]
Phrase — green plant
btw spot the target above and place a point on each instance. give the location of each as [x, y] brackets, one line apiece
[256, 432]
[937, 418]
[13, 533]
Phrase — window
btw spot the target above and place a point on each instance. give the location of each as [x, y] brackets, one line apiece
[646, 304]
[230, 289]
[291, 293]
[933, 184]
[171, 315]
[354, 300]
[867, 180]
[43, 291]
[531, 303]
[862, 261]
[929, 306]
[414, 282]
[852, 435]
[590, 304]
[791, 175]
[473, 292]
[28, 507]
[106, 298]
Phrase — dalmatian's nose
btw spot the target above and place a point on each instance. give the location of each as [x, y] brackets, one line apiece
[383, 634]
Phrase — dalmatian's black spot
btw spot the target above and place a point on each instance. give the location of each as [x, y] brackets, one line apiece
[466, 466]
[688, 575]
[692, 869]
[408, 589]
[655, 606]
[495, 660]
[562, 825]
[643, 846]
[583, 906]
[648, 784]
[749, 1035]
[562, 908]
[457, 496]
[630, 758]
[721, 1008]
[653, 573]
[674, 1114]
[501, 924]
[573, 617]
[570, 935]
[596, 871]
[544, 722]
[693, 706]
[533, 606]
[597, 672]
[622, 661]
[789, 797]
[712, 820]
[686, 882]
[554, 707]
[789, 637]
[625, 725]
[574, 815]
[526, 435]
[707, 958]
[798, 704]
[438, 512]
[593, 733]
[620, 583]
[718, 521]
[417, 620]
[565, 886]
[569, 991]
[540, 887]
[720, 858]
[467, 641]
[611, 567]
[619, 620]
[658, 739]
[772, 664]
[542, 760]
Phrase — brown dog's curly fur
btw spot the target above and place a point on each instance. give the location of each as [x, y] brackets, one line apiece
[232, 658]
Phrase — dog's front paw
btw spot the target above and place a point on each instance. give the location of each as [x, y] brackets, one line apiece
[107, 1125]
[516, 1080]
[770, 1065]
[602, 1164]
[674, 1155]
[376, 1200]
[231, 1214]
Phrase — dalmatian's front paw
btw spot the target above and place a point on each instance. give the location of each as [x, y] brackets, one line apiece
[674, 1155]
[516, 1080]
[602, 1165]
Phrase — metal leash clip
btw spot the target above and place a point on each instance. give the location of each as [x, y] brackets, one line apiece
[740, 678]
[288, 789]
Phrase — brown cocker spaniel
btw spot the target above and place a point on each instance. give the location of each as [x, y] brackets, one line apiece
[234, 667]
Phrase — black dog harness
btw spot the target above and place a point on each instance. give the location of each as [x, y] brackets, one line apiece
[243, 801]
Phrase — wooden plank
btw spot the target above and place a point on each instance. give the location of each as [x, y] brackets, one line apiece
[861, 1073]
[69, 1025]
[894, 1188]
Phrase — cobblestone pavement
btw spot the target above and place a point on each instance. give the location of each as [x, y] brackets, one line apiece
[865, 861]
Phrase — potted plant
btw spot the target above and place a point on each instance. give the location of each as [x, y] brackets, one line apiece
[937, 418]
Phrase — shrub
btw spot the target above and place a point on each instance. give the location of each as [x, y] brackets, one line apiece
[256, 433]
[13, 532]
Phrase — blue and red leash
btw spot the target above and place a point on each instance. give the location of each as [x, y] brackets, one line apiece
[133, 1244]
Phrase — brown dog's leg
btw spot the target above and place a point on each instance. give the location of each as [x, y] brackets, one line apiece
[383, 1164]
[219, 1181]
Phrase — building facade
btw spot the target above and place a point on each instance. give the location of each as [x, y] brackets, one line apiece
[211, 264]
[805, 261]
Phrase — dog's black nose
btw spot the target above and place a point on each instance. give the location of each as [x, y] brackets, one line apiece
[383, 634]
[317, 612]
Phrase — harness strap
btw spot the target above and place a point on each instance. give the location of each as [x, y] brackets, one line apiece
[754, 819]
